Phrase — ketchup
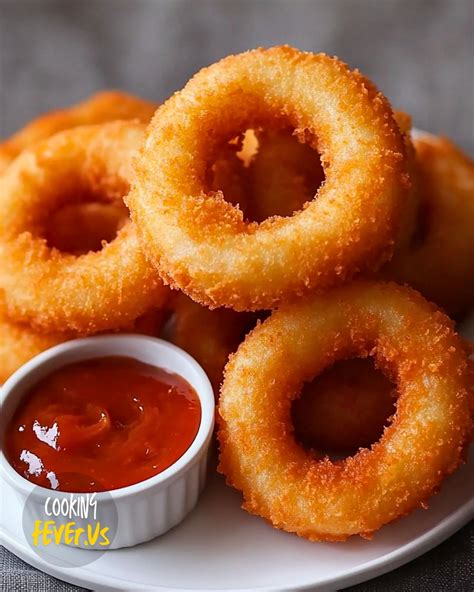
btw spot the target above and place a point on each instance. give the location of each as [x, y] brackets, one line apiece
[102, 424]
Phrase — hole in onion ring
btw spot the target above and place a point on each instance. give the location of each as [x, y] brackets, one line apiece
[84, 226]
[346, 408]
[267, 173]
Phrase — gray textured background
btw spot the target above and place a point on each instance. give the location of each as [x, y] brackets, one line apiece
[419, 52]
[55, 52]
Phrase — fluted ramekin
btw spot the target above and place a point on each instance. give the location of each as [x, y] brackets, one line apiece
[147, 509]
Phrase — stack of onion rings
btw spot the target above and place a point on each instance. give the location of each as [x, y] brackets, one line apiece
[201, 244]
[354, 393]
[271, 175]
[319, 499]
[347, 406]
[77, 228]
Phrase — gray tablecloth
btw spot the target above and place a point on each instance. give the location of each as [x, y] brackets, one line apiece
[419, 52]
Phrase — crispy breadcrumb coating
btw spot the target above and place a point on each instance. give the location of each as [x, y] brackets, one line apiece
[201, 244]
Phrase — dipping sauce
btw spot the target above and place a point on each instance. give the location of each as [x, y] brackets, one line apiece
[102, 424]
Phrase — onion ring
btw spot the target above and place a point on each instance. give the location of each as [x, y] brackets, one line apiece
[439, 262]
[56, 291]
[412, 342]
[100, 108]
[201, 244]
[81, 227]
[345, 408]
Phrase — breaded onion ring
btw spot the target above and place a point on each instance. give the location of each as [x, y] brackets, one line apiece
[100, 108]
[201, 244]
[81, 227]
[413, 343]
[345, 408]
[439, 262]
[57, 291]
[210, 336]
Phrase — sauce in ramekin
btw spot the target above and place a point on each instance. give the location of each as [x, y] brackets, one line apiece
[102, 424]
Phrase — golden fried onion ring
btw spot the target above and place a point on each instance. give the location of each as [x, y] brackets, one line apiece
[439, 261]
[57, 291]
[412, 342]
[201, 244]
[100, 108]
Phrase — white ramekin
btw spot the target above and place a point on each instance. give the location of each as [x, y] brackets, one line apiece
[151, 507]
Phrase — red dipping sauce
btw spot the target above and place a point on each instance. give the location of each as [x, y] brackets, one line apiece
[102, 424]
